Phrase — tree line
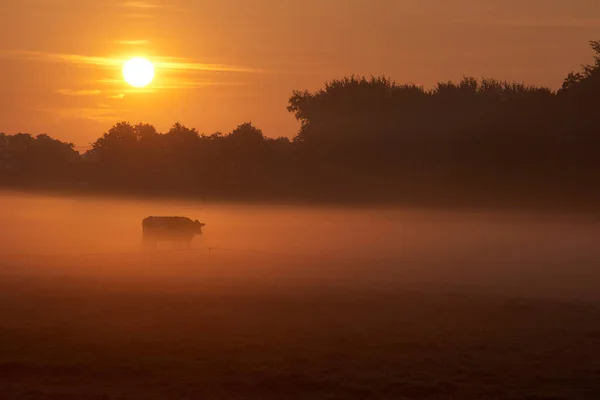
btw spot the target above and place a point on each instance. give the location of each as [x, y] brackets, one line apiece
[360, 139]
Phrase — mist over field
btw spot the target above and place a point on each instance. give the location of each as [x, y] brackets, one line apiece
[296, 303]
[549, 255]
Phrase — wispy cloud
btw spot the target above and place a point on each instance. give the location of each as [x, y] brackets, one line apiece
[172, 83]
[71, 92]
[100, 113]
[197, 84]
[133, 42]
[138, 16]
[166, 63]
[118, 96]
[62, 58]
[537, 22]
[140, 4]
[175, 64]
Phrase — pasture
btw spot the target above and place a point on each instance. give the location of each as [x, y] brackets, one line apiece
[296, 303]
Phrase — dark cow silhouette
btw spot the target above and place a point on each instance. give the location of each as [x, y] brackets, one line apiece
[173, 229]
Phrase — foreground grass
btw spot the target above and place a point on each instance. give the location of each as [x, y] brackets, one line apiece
[89, 339]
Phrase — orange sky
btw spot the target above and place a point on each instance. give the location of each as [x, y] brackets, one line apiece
[224, 62]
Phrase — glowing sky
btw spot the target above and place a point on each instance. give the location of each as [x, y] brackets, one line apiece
[221, 63]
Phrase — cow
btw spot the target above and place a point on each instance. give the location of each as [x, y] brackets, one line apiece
[173, 229]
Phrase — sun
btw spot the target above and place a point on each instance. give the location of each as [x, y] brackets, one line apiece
[138, 72]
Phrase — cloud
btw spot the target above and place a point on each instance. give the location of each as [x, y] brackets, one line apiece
[196, 84]
[100, 113]
[138, 16]
[167, 63]
[133, 42]
[171, 83]
[140, 4]
[62, 58]
[116, 96]
[557, 23]
[70, 92]
[179, 64]
[535, 22]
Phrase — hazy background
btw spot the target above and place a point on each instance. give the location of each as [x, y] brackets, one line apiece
[525, 254]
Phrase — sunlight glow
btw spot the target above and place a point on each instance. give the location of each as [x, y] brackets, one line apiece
[138, 72]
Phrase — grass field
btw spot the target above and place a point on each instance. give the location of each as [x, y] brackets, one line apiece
[407, 308]
[96, 338]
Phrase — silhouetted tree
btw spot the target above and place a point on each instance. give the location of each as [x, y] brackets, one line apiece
[359, 138]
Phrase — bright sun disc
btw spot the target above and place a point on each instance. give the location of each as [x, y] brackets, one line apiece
[138, 72]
